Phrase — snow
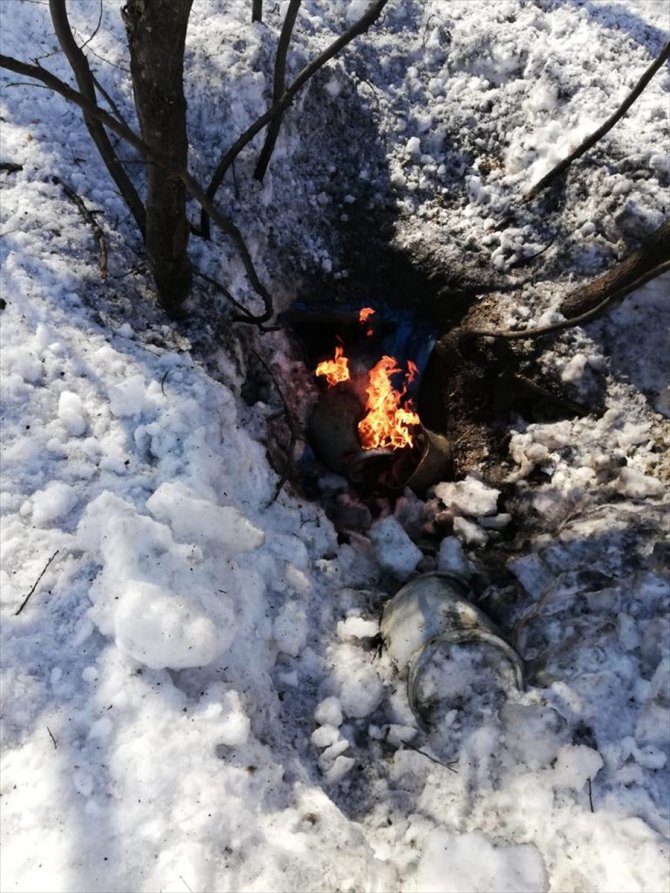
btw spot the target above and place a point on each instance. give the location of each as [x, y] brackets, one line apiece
[193, 694]
[469, 496]
[394, 549]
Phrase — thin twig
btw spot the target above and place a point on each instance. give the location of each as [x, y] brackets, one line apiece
[246, 316]
[10, 167]
[573, 321]
[153, 156]
[603, 129]
[82, 72]
[371, 15]
[278, 89]
[291, 425]
[90, 219]
[110, 102]
[588, 781]
[53, 740]
[95, 30]
[44, 570]
[432, 759]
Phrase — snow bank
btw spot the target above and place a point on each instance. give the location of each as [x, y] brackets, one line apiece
[194, 687]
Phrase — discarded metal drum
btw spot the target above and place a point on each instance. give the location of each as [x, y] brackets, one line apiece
[432, 612]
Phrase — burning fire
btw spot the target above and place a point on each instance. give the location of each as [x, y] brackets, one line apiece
[364, 316]
[335, 370]
[389, 418]
[387, 423]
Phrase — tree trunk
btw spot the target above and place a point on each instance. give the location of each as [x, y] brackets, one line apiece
[156, 38]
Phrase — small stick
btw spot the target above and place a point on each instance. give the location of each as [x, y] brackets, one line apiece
[423, 753]
[44, 570]
[185, 884]
[92, 222]
[603, 129]
[256, 16]
[588, 781]
[55, 743]
[10, 167]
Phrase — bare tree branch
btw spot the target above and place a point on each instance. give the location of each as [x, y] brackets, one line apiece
[652, 254]
[256, 10]
[368, 18]
[279, 88]
[85, 82]
[603, 129]
[611, 297]
[155, 157]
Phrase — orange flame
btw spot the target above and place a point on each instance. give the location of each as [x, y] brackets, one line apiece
[335, 370]
[387, 423]
[364, 316]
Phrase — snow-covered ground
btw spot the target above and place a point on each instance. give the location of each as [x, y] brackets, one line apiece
[193, 698]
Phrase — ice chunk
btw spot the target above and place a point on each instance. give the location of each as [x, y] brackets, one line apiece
[469, 497]
[233, 726]
[357, 628]
[53, 503]
[471, 533]
[636, 485]
[329, 712]
[455, 862]
[394, 549]
[72, 414]
[324, 736]
[200, 521]
[361, 691]
[451, 556]
[161, 629]
[575, 764]
[129, 398]
[341, 767]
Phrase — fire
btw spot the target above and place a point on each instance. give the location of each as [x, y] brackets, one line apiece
[335, 370]
[389, 417]
[387, 422]
[364, 316]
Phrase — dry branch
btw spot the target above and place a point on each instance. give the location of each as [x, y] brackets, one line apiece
[278, 89]
[152, 156]
[611, 297]
[653, 254]
[256, 10]
[35, 584]
[10, 167]
[603, 129]
[86, 83]
[368, 18]
[90, 219]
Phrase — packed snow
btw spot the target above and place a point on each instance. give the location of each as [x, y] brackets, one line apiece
[194, 692]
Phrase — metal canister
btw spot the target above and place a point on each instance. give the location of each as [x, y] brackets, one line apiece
[433, 611]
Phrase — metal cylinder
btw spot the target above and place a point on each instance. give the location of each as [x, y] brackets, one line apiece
[431, 612]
